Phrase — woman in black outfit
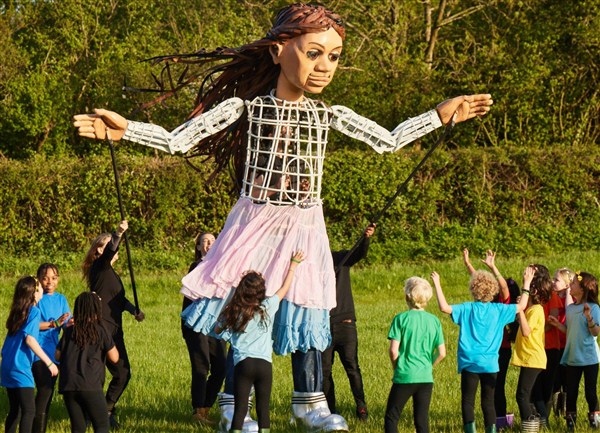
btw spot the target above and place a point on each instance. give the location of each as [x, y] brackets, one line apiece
[102, 279]
[207, 354]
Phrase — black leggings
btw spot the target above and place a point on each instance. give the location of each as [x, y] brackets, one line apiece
[590, 378]
[120, 372]
[207, 355]
[90, 403]
[399, 395]
[527, 378]
[44, 384]
[468, 387]
[21, 401]
[257, 372]
[500, 392]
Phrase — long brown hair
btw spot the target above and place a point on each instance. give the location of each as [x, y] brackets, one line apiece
[248, 72]
[244, 303]
[541, 285]
[93, 254]
[23, 300]
[589, 286]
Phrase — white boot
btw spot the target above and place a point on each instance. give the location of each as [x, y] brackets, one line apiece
[227, 406]
[312, 411]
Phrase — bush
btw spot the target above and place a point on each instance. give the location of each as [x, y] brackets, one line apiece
[515, 200]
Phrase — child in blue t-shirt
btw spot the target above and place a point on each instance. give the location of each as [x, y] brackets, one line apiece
[18, 352]
[55, 313]
[247, 322]
[581, 355]
[416, 345]
[481, 326]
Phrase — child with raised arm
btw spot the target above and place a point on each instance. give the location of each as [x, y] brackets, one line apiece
[554, 344]
[503, 419]
[582, 355]
[481, 324]
[18, 352]
[529, 353]
[247, 322]
[416, 345]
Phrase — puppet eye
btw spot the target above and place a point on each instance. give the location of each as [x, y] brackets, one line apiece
[313, 54]
[334, 57]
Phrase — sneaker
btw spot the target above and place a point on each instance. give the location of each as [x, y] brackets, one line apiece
[362, 413]
[112, 421]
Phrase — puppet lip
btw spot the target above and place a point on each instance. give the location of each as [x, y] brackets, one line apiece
[319, 79]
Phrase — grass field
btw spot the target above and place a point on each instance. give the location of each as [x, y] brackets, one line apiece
[157, 399]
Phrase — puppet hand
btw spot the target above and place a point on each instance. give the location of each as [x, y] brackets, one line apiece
[464, 108]
[139, 316]
[100, 124]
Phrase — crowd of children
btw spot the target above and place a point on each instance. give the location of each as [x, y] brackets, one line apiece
[551, 324]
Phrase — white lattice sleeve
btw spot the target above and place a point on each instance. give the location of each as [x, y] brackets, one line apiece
[353, 125]
[186, 136]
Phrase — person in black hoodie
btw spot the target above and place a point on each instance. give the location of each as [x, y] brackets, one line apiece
[344, 337]
[98, 271]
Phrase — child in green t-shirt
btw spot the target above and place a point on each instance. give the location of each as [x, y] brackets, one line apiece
[416, 345]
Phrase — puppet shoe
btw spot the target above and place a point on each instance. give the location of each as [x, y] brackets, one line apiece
[227, 407]
[311, 410]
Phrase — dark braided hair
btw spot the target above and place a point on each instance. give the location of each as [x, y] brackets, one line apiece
[248, 72]
[23, 300]
[86, 314]
[244, 303]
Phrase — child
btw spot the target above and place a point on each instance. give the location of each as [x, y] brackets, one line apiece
[83, 350]
[481, 325]
[18, 351]
[249, 318]
[98, 271]
[416, 345]
[55, 311]
[529, 353]
[554, 345]
[581, 355]
[506, 295]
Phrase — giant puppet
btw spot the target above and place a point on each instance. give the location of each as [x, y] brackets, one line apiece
[255, 116]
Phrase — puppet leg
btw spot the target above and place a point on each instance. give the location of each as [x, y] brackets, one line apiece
[309, 405]
[227, 403]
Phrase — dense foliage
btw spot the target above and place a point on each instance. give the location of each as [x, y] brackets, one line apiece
[524, 179]
[512, 199]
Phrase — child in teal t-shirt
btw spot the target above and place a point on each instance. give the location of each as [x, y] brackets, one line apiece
[481, 325]
[416, 345]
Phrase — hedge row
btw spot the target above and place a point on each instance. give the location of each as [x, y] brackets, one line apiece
[515, 200]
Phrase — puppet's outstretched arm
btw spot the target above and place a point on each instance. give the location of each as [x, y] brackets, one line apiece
[356, 126]
[182, 139]
[458, 109]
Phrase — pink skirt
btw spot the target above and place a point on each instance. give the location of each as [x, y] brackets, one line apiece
[263, 238]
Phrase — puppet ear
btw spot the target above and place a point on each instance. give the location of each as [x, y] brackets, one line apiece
[275, 51]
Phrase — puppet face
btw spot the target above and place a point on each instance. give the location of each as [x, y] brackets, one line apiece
[307, 62]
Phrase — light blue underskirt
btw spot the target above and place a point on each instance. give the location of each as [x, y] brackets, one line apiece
[294, 328]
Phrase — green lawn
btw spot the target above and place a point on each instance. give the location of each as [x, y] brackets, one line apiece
[157, 399]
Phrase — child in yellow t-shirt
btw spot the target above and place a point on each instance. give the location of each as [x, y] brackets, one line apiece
[528, 351]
